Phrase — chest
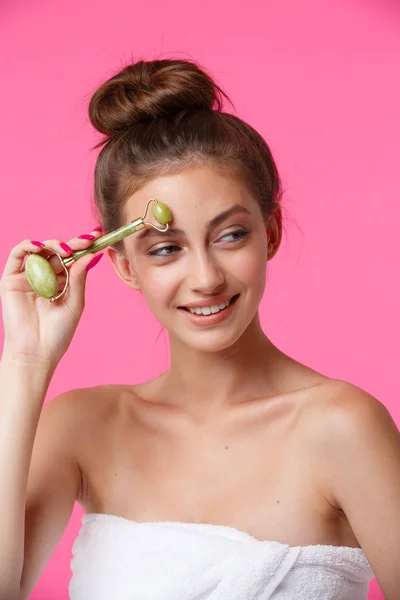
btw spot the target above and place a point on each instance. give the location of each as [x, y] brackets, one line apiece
[259, 478]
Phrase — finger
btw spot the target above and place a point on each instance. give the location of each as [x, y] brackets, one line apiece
[52, 258]
[15, 260]
[77, 284]
[16, 257]
[65, 249]
[79, 243]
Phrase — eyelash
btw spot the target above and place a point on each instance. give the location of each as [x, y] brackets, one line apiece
[244, 233]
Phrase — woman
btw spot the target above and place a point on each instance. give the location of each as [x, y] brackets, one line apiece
[239, 472]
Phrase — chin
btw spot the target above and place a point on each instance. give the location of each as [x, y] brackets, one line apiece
[213, 339]
[210, 345]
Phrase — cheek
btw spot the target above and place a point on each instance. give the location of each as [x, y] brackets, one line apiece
[250, 264]
[249, 267]
[158, 284]
[250, 271]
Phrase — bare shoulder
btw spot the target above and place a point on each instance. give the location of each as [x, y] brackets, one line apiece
[77, 414]
[340, 404]
[358, 442]
[81, 403]
[87, 410]
[342, 421]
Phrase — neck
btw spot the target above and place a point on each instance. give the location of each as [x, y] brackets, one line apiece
[203, 384]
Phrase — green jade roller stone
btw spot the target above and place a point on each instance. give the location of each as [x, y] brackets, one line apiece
[41, 275]
[161, 213]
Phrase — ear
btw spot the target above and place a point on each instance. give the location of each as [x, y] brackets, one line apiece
[274, 232]
[123, 268]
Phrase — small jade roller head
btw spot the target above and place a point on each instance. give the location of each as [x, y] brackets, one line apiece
[43, 279]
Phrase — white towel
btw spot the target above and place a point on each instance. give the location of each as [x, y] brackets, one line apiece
[119, 559]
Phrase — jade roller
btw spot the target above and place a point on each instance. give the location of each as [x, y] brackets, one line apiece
[40, 273]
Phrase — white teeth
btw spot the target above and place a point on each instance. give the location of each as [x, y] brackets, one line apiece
[208, 310]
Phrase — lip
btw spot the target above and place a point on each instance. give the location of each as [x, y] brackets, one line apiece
[213, 319]
[208, 301]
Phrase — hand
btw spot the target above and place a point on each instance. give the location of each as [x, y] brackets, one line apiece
[36, 329]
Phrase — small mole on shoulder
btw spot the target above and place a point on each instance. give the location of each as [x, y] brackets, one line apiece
[226, 447]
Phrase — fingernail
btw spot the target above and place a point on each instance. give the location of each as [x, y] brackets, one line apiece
[86, 237]
[98, 228]
[66, 247]
[94, 261]
[37, 244]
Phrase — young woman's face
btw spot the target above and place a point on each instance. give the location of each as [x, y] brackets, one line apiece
[208, 258]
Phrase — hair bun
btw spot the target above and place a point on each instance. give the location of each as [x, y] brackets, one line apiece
[145, 91]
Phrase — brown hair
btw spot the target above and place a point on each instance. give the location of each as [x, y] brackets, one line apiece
[161, 117]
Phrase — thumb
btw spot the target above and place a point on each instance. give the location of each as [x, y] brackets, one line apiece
[77, 278]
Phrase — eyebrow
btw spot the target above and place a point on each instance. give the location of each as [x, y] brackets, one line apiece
[217, 220]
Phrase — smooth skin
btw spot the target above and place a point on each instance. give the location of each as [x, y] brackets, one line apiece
[37, 334]
[235, 432]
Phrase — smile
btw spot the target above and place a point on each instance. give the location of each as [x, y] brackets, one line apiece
[212, 309]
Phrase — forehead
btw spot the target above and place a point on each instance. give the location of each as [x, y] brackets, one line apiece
[202, 189]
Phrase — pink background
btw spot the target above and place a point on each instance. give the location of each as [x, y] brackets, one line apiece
[319, 79]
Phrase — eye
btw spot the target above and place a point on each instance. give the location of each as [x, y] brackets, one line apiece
[166, 251]
[158, 251]
[240, 232]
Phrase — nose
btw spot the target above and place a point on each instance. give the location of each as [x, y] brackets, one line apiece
[206, 276]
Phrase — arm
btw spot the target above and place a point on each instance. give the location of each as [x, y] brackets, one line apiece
[38, 480]
[360, 445]
[53, 486]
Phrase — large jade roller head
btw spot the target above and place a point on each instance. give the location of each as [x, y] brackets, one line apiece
[43, 279]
